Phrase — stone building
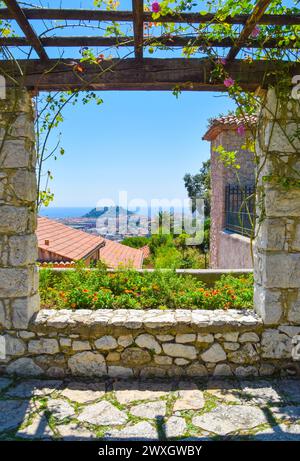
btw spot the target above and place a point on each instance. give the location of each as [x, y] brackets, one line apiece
[230, 246]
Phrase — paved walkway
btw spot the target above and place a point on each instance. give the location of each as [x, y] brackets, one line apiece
[150, 410]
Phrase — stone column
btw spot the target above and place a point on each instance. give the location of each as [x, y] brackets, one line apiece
[18, 246]
[217, 212]
[277, 247]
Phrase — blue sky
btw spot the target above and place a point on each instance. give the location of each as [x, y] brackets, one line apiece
[141, 142]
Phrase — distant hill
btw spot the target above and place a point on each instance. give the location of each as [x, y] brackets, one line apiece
[108, 212]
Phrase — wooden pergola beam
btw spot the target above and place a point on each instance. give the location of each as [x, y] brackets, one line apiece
[28, 31]
[138, 27]
[252, 21]
[127, 16]
[70, 41]
[132, 74]
[197, 18]
[129, 42]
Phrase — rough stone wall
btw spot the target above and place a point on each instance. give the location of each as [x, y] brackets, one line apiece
[220, 176]
[277, 247]
[122, 343]
[18, 248]
[235, 251]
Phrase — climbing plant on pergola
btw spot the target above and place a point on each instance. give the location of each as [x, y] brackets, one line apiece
[135, 72]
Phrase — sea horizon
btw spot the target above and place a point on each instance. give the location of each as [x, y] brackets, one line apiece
[79, 212]
[64, 212]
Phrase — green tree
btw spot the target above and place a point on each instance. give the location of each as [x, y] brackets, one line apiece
[167, 258]
[198, 186]
[135, 242]
[158, 241]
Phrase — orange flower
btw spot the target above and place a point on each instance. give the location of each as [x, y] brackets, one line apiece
[78, 68]
[73, 305]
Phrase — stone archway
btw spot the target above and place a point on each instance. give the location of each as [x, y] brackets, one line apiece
[277, 249]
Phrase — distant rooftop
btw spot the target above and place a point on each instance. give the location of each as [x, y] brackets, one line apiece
[65, 241]
[228, 122]
[74, 245]
[115, 254]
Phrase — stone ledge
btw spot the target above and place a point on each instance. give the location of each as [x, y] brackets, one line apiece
[235, 236]
[90, 322]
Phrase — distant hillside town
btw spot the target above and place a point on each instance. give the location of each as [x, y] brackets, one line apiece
[113, 223]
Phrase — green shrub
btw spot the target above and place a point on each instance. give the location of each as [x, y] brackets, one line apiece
[135, 242]
[167, 258]
[130, 289]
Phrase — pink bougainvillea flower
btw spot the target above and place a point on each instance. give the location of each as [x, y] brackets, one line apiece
[155, 7]
[223, 61]
[255, 32]
[228, 82]
[241, 130]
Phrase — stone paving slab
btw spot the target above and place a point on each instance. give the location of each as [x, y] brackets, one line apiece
[156, 409]
[4, 382]
[226, 419]
[38, 429]
[33, 387]
[12, 414]
[281, 433]
[83, 392]
[75, 432]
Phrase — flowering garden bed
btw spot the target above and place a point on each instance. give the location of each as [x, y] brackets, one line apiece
[129, 289]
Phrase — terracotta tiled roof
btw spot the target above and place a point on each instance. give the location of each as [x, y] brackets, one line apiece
[115, 254]
[65, 241]
[146, 251]
[230, 122]
[74, 244]
[58, 264]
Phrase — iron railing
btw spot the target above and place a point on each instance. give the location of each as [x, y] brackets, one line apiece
[239, 209]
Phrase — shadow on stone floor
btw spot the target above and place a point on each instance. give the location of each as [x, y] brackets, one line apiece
[149, 409]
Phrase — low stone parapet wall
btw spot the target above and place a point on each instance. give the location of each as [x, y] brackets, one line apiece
[234, 251]
[124, 343]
